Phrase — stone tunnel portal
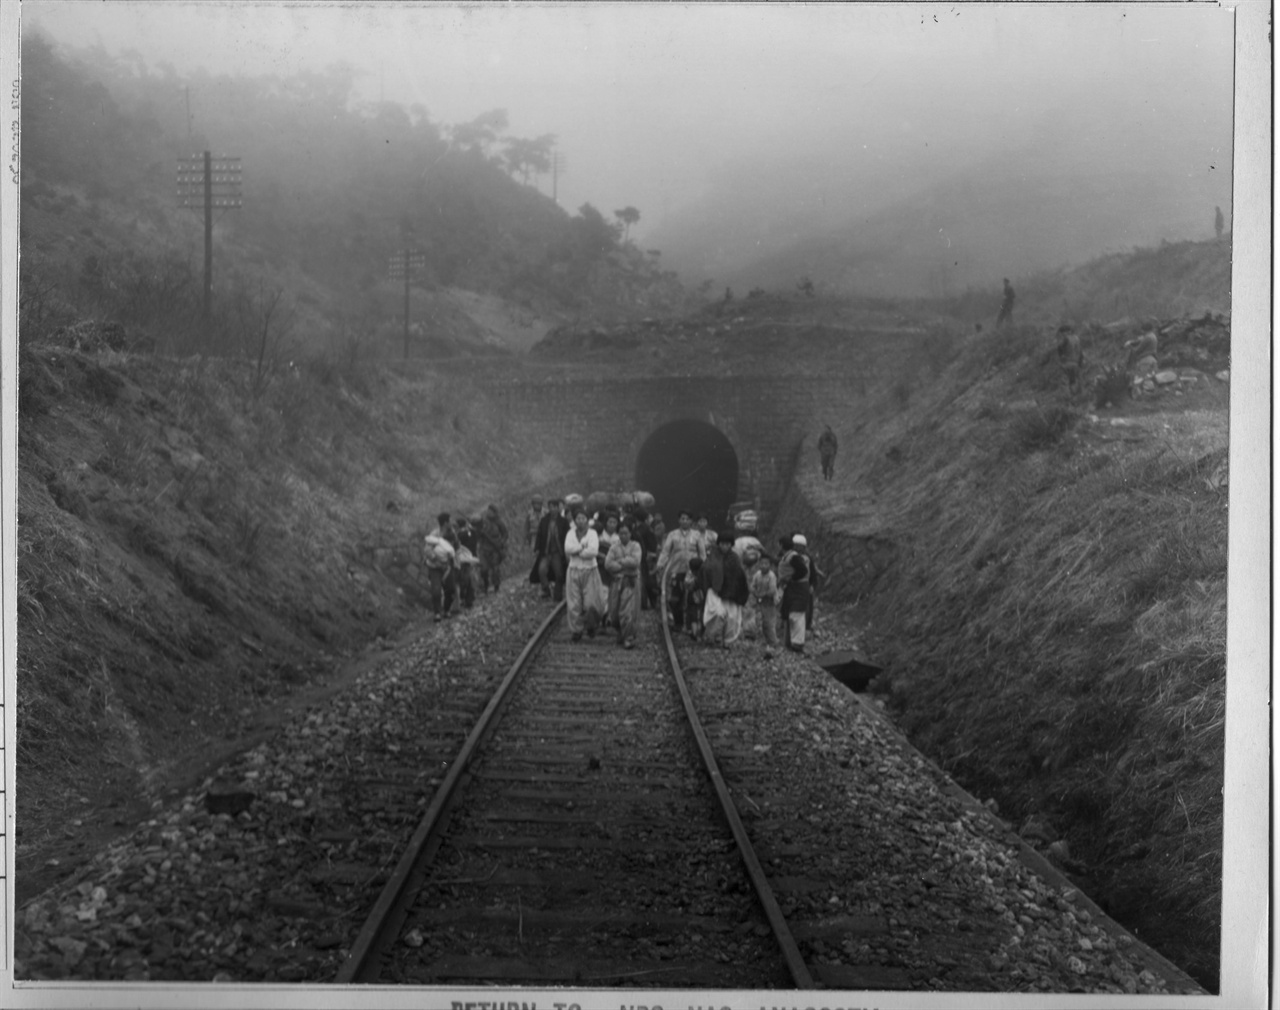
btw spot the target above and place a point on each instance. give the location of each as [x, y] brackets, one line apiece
[689, 465]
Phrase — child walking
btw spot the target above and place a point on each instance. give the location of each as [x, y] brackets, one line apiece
[764, 590]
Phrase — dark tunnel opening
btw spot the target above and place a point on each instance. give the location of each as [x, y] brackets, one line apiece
[689, 465]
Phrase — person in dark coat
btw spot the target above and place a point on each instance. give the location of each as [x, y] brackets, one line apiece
[549, 564]
[643, 532]
[492, 536]
[827, 446]
[727, 590]
[468, 561]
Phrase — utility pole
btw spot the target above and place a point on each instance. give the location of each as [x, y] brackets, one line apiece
[403, 265]
[208, 182]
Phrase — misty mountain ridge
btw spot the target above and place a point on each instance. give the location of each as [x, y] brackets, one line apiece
[894, 225]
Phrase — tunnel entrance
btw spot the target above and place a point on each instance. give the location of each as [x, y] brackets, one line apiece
[689, 465]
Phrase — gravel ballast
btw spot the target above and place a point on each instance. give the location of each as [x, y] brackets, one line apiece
[276, 892]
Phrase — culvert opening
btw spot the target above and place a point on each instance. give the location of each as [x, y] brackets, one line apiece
[689, 465]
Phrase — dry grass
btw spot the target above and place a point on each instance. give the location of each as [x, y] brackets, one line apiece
[1055, 632]
[153, 543]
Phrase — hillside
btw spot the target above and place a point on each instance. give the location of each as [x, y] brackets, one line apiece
[216, 516]
[303, 264]
[194, 551]
[1052, 625]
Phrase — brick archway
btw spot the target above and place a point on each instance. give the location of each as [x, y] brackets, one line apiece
[689, 464]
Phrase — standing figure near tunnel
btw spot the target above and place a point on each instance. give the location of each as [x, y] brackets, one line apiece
[549, 564]
[681, 545]
[1006, 305]
[708, 535]
[492, 535]
[764, 589]
[584, 595]
[642, 533]
[606, 525]
[624, 564]
[793, 576]
[827, 446]
[727, 591]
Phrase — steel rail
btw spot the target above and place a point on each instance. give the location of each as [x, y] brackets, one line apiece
[777, 921]
[390, 903]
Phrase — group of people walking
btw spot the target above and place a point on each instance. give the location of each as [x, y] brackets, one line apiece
[608, 566]
[463, 558]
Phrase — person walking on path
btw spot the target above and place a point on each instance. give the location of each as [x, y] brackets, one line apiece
[827, 446]
[709, 536]
[793, 575]
[764, 590]
[532, 519]
[1006, 306]
[584, 595]
[492, 537]
[467, 562]
[606, 526]
[549, 564]
[727, 591]
[680, 546]
[623, 563]
[439, 557]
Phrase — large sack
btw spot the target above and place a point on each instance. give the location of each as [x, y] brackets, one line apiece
[748, 549]
[439, 552]
[598, 501]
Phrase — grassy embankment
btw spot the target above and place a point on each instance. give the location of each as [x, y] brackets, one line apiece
[195, 545]
[1054, 630]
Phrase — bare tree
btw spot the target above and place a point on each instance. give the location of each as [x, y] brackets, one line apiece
[264, 322]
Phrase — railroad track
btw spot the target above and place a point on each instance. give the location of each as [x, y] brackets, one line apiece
[583, 836]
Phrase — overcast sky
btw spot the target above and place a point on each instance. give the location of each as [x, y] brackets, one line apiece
[652, 101]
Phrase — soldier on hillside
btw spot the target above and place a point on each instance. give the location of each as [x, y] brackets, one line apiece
[827, 446]
[1006, 306]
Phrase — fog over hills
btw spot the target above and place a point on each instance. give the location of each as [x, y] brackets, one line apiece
[953, 144]
[900, 222]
